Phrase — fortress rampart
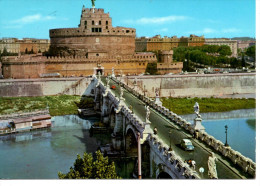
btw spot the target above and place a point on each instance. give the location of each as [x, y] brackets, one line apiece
[39, 66]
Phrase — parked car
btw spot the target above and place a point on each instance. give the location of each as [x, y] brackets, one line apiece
[186, 144]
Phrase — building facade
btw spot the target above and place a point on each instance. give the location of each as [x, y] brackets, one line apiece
[95, 46]
[95, 36]
[243, 45]
[157, 43]
[10, 44]
[14, 45]
[192, 41]
[224, 41]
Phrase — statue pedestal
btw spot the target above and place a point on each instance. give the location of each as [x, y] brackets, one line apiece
[198, 125]
[157, 101]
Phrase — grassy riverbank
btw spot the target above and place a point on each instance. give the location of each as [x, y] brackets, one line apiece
[65, 104]
[185, 105]
[58, 105]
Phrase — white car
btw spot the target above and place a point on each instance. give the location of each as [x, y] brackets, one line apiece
[186, 144]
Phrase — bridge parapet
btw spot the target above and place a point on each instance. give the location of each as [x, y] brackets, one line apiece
[237, 158]
[171, 163]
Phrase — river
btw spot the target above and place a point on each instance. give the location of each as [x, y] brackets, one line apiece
[43, 153]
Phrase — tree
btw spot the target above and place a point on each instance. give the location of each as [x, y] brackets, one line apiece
[234, 62]
[243, 62]
[151, 68]
[224, 50]
[250, 51]
[86, 168]
[5, 53]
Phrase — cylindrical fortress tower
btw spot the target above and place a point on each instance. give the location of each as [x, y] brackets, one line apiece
[95, 36]
[165, 56]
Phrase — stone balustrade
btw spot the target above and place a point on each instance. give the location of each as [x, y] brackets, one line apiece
[237, 158]
[170, 159]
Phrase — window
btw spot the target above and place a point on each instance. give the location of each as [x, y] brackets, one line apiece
[106, 22]
[99, 22]
[93, 22]
[106, 27]
[85, 22]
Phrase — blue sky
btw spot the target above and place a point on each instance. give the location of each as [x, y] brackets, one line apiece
[211, 18]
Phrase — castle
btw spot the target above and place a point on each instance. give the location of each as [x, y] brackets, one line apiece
[95, 46]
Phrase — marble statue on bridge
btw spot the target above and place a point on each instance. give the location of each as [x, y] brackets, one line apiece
[121, 92]
[99, 75]
[212, 169]
[157, 92]
[108, 79]
[147, 108]
[197, 110]
[113, 73]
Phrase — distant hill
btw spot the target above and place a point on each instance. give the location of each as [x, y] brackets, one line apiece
[243, 38]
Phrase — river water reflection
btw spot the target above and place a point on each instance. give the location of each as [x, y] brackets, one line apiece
[241, 129]
[41, 154]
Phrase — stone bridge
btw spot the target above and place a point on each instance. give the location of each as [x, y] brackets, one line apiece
[124, 110]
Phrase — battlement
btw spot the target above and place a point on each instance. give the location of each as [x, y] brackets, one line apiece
[38, 59]
[94, 11]
[78, 32]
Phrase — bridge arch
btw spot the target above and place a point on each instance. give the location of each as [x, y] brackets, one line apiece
[130, 142]
[112, 117]
[164, 175]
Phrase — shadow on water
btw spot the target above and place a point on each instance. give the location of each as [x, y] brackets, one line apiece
[251, 123]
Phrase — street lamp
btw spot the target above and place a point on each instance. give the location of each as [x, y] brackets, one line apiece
[226, 127]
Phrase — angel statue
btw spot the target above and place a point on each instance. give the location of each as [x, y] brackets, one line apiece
[99, 74]
[197, 109]
[212, 172]
[121, 92]
[93, 3]
[157, 92]
[107, 81]
[147, 108]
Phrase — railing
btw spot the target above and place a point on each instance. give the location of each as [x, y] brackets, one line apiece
[237, 158]
[172, 160]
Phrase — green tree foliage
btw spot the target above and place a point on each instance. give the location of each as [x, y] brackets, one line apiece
[5, 53]
[88, 168]
[206, 55]
[243, 62]
[250, 51]
[234, 62]
[224, 50]
[151, 68]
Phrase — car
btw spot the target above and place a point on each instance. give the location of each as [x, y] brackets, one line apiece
[186, 144]
[113, 87]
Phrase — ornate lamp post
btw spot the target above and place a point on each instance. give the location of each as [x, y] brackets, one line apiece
[226, 127]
